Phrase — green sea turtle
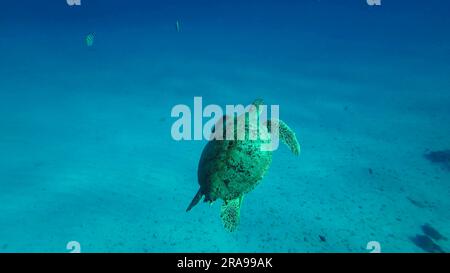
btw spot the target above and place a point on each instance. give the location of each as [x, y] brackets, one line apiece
[228, 169]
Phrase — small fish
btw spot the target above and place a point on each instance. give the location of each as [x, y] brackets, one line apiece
[178, 25]
[322, 238]
[432, 232]
[440, 157]
[427, 244]
[417, 203]
[90, 39]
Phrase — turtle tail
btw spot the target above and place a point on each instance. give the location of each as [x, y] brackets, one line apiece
[230, 213]
[195, 201]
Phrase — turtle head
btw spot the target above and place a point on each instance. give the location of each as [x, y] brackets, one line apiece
[256, 106]
[258, 102]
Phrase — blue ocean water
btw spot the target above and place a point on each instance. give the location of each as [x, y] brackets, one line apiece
[86, 152]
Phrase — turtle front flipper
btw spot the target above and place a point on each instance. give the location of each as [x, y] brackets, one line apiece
[286, 134]
[195, 201]
[230, 213]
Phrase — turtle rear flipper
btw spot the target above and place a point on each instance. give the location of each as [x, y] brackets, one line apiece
[195, 201]
[286, 135]
[230, 213]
